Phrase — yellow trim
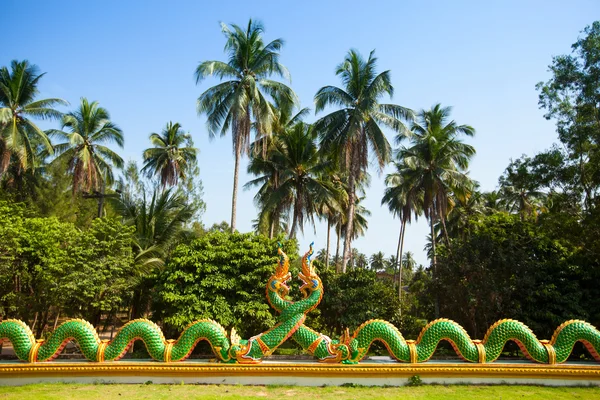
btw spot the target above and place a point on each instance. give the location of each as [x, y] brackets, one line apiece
[551, 352]
[169, 349]
[480, 350]
[457, 370]
[100, 351]
[412, 347]
[33, 353]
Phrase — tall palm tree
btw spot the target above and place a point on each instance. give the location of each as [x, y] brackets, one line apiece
[402, 200]
[350, 130]
[435, 164]
[20, 138]
[359, 228]
[170, 155]
[261, 163]
[233, 104]
[294, 155]
[330, 209]
[88, 159]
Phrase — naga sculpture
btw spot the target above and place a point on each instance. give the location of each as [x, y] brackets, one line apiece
[290, 324]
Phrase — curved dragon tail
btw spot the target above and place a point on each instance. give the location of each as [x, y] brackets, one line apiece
[507, 329]
[20, 336]
[445, 329]
[382, 331]
[566, 335]
[205, 329]
[141, 329]
[78, 330]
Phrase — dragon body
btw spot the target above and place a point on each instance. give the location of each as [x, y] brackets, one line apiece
[348, 349]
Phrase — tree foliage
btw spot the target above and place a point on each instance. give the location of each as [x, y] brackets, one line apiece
[220, 276]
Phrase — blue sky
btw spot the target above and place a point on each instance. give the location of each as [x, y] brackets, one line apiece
[137, 59]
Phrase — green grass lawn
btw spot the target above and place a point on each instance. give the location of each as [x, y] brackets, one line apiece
[176, 392]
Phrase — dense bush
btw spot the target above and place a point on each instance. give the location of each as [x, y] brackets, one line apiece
[220, 276]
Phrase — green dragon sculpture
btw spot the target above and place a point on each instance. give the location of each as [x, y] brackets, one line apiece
[290, 324]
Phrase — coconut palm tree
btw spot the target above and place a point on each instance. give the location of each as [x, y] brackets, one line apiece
[356, 126]
[403, 201]
[270, 221]
[377, 261]
[434, 165]
[519, 193]
[20, 138]
[241, 98]
[294, 155]
[84, 151]
[160, 222]
[170, 155]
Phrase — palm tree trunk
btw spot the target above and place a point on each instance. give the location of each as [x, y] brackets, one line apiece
[236, 171]
[101, 199]
[294, 223]
[434, 269]
[399, 258]
[396, 265]
[337, 249]
[327, 248]
[350, 224]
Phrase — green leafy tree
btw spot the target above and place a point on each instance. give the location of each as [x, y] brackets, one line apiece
[170, 155]
[507, 266]
[221, 276]
[571, 97]
[355, 127]
[20, 137]
[243, 96]
[353, 298]
[84, 150]
[49, 267]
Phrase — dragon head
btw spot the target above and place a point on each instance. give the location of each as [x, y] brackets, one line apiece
[238, 346]
[308, 274]
[278, 281]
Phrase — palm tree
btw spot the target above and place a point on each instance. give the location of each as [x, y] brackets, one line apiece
[160, 223]
[402, 200]
[168, 158]
[378, 261]
[270, 221]
[232, 104]
[467, 202]
[435, 165]
[294, 156]
[19, 136]
[519, 193]
[350, 130]
[88, 159]
[359, 228]
[330, 209]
